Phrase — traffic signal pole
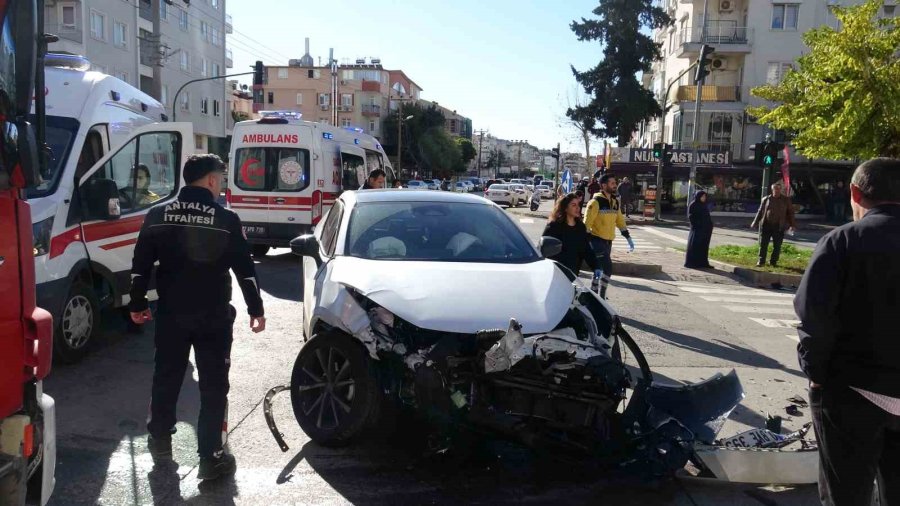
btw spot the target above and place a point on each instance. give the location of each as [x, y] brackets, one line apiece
[700, 78]
[661, 163]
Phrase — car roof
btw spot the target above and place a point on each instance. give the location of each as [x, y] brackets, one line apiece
[366, 196]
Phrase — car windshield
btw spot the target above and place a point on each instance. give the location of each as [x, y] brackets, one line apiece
[437, 232]
[542, 187]
[498, 187]
[60, 134]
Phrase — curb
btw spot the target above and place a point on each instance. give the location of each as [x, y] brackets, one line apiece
[526, 212]
[768, 279]
[631, 269]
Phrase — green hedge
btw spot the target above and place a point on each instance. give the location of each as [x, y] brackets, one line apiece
[793, 260]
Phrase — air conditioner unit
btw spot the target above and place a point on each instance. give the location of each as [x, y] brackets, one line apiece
[718, 63]
[324, 107]
[726, 6]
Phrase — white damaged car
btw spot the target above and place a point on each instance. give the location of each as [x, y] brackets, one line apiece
[437, 303]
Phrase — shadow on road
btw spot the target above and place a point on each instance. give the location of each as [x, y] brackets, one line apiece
[279, 276]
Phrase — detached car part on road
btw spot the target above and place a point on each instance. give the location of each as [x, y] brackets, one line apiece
[439, 304]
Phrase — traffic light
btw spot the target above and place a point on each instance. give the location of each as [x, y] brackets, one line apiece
[703, 64]
[258, 73]
[658, 150]
[555, 153]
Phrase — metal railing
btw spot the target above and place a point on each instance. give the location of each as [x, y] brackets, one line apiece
[371, 109]
[721, 32]
[709, 93]
[228, 24]
[68, 32]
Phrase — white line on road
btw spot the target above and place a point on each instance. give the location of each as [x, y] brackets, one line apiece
[773, 323]
[526, 220]
[663, 234]
[760, 310]
[748, 300]
[721, 291]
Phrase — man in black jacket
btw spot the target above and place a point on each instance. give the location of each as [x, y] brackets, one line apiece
[849, 309]
[375, 180]
[196, 242]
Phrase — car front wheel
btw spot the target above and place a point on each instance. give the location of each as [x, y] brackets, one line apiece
[334, 391]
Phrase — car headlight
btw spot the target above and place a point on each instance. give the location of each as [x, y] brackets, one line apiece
[41, 232]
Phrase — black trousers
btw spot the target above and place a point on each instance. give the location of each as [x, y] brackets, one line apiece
[776, 235]
[210, 335]
[602, 250]
[857, 441]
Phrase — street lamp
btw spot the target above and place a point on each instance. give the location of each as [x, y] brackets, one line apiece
[519, 160]
[400, 120]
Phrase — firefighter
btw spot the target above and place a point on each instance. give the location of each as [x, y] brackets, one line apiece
[603, 215]
[196, 241]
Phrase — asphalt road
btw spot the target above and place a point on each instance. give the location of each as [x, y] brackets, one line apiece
[688, 332]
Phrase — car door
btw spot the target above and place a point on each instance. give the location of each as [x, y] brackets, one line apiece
[326, 234]
[115, 194]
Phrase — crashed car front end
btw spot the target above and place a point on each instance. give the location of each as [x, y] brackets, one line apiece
[567, 392]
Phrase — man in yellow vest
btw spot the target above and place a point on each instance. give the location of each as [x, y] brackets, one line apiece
[604, 214]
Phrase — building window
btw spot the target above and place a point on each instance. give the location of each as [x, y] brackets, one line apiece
[198, 142]
[98, 26]
[164, 97]
[324, 99]
[204, 31]
[777, 71]
[889, 10]
[282, 73]
[163, 12]
[204, 67]
[204, 106]
[217, 109]
[185, 61]
[784, 16]
[299, 98]
[271, 97]
[214, 3]
[216, 70]
[186, 101]
[313, 74]
[122, 75]
[68, 17]
[216, 37]
[183, 19]
[345, 122]
[347, 99]
[373, 126]
[120, 35]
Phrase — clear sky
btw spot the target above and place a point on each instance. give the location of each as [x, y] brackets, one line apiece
[502, 63]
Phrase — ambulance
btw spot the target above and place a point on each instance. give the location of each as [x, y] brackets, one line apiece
[285, 174]
[112, 155]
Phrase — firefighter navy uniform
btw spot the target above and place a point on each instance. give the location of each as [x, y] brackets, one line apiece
[196, 242]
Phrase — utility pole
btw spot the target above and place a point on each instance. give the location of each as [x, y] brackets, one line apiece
[480, 141]
[333, 64]
[156, 85]
[399, 139]
[662, 138]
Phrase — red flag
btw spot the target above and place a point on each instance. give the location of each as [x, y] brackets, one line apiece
[786, 171]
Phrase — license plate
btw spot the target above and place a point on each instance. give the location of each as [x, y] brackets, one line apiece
[495, 194]
[251, 230]
[753, 438]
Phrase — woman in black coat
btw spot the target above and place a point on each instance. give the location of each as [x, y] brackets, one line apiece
[566, 225]
[697, 256]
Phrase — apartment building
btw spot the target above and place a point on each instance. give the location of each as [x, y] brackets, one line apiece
[117, 37]
[755, 42]
[455, 124]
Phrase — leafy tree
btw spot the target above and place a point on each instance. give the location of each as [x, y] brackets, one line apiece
[496, 158]
[577, 118]
[844, 101]
[423, 120]
[438, 153]
[618, 102]
[467, 150]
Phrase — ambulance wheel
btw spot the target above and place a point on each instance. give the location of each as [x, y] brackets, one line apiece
[260, 250]
[334, 391]
[79, 324]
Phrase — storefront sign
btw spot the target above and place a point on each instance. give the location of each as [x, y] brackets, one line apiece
[681, 157]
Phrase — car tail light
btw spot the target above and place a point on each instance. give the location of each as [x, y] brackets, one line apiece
[28, 441]
[228, 196]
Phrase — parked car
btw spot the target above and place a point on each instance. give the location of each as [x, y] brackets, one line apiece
[433, 184]
[502, 194]
[546, 192]
[414, 184]
[500, 340]
[469, 186]
[460, 187]
[522, 191]
[489, 182]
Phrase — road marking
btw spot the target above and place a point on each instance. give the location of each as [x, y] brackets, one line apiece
[721, 291]
[526, 220]
[774, 323]
[748, 300]
[760, 310]
[663, 234]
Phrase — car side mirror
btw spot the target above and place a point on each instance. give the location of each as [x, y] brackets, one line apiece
[101, 197]
[549, 246]
[306, 246]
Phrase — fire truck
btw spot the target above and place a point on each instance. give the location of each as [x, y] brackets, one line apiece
[27, 415]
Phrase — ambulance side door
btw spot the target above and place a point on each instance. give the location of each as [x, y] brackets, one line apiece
[115, 195]
[292, 182]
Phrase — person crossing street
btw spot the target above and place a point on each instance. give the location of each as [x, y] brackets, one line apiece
[603, 215]
[196, 242]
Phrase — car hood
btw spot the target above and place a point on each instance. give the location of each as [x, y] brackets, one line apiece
[462, 297]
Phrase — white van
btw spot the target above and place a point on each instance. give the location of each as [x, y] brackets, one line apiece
[112, 158]
[286, 173]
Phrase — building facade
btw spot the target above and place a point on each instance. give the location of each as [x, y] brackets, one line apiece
[117, 37]
[755, 43]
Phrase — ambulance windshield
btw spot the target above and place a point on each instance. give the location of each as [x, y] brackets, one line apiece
[60, 135]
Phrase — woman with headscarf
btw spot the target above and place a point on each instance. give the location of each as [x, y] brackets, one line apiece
[697, 256]
[567, 226]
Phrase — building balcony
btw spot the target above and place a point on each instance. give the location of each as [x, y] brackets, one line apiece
[66, 32]
[709, 93]
[724, 36]
[345, 108]
[374, 86]
[371, 110]
[229, 28]
[144, 9]
[229, 60]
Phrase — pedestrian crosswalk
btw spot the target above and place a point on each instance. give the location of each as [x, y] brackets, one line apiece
[767, 308]
[641, 243]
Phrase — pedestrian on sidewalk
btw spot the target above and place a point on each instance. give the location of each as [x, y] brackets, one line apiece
[565, 224]
[625, 194]
[603, 216]
[593, 188]
[849, 309]
[697, 255]
[775, 215]
[196, 242]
